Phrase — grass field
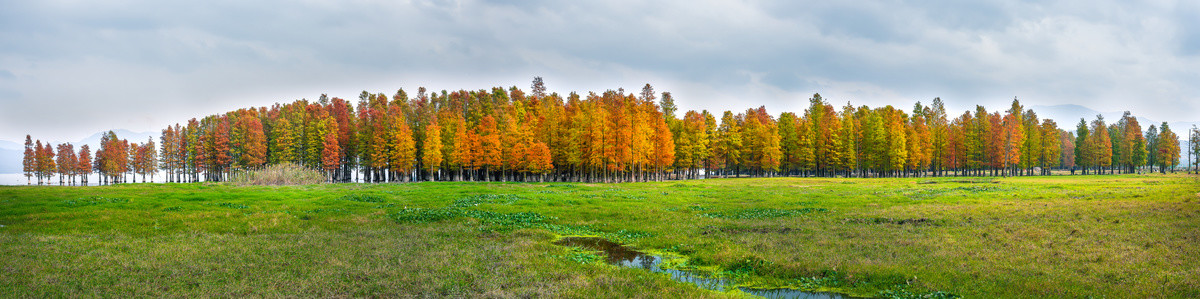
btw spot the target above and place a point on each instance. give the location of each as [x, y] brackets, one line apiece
[1077, 236]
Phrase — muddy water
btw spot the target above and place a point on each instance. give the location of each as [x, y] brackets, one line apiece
[625, 257]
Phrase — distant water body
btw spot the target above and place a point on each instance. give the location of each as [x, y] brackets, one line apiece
[9, 179]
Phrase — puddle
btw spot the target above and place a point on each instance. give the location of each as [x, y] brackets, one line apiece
[618, 255]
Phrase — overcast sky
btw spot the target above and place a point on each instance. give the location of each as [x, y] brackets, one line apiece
[71, 68]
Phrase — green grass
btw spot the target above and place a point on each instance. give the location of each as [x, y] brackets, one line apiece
[1081, 236]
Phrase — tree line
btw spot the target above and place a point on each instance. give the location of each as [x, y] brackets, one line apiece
[508, 135]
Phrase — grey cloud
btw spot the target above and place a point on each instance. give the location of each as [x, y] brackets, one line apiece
[183, 59]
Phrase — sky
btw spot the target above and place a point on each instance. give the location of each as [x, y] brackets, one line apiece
[69, 69]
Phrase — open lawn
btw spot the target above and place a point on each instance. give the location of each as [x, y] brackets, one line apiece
[1060, 236]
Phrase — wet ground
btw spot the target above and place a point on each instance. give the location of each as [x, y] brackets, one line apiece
[618, 255]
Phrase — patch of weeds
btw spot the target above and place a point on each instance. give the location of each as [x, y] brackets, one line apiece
[476, 200]
[193, 198]
[630, 234]
[816, 282]
[905, 293]
[629, 197]
[91, 201]
[363, 198]
[582, 256]
[699, 208]
[882, 220]
[746, 266]
[760, 213]
[419, 215]
[919, 194]
[519, 219]
[327, 211]
[172, 209]
[390, 205]
[228, 205]
[977, 189]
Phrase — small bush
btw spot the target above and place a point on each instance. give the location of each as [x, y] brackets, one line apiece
[279, 174]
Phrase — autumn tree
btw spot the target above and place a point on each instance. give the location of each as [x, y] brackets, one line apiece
[939, 135]
[400, 146]
[1100, 144]
[1135, 143]
[84, 165]
[539, 160]
[1013, 137]
[169, 154]
[1168, 149]
[789, 142]
[282, 147]
[66, 163]
[920, 143]
[1067, 156]
[253, 145]
[488, 148]
[44, 159]
[895, 141]
[432, 151]
[954, 155]
[331, 153]
[849, 147]
[664, 148]
[1050, 146]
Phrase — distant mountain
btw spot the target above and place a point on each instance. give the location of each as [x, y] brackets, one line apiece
[10, 160]
[1067, 116]
[139, 137]
[5, 144]
[11, 153]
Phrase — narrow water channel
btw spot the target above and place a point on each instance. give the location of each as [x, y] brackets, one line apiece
[618, 255]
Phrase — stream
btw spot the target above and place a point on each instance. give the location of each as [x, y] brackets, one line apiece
[622, 256]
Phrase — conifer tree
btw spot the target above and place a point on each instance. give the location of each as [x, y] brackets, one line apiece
[28, 163]
[1152, 146]
[1083, 148]
[1194, 149]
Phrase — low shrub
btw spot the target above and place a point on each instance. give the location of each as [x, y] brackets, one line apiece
[279, 174]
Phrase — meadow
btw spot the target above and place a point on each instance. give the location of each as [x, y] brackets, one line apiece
[1056, 236]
